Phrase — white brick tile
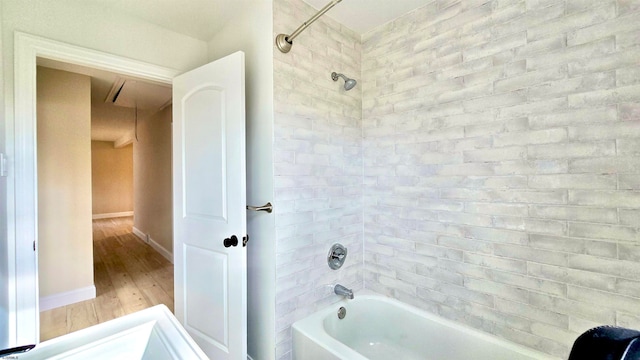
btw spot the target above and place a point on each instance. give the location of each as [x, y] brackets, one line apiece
[573, 181]
[629, 252]
[575, 117]
[531, 167]
[574, 213]
[494, 262]
[536, 15]
[540, 226]
[629, 181]
[606, 165]
[531, 254]
[499, 290]
[484, 129]
[572, 21]
[570, 150]
[496, 46]
[621, 24]
[531, 283]
[628, 76]
[551, 43]
[581, 325]
[497, 235]
[540, 4]
[500, 149]
[603, 198]
[547, 316]
[629, 111]
[627, 40]
[603, 231]
[530, 79]
[571, 54]
[604, 299]
[535, 107]
[620, 268]
[554, 333]
[572, 276]
[576, 308]
[631, 321]
[493, 182]
[491, 155]
[530, 137]
[628, 287]
[599, 98]
[494, 101]
[630, 217]
[497, 209]
[588, 82]
[604, 62]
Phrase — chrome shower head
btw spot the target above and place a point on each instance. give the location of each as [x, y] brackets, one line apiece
[348, 83]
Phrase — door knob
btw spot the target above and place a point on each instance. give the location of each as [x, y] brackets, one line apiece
[233, 241]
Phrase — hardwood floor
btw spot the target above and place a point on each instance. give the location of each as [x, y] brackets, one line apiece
[128, 274]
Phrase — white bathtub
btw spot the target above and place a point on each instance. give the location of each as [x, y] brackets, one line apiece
[377, 327]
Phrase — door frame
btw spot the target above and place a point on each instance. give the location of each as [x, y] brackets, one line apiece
[22, 182]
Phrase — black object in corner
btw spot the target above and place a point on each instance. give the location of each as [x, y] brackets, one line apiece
[15, 350]
[607, 343]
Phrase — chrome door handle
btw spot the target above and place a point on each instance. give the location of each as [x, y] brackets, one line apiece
[266, 207]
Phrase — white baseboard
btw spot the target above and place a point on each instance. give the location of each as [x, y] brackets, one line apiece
[157, 247]
[139, 234]
[112, 215]
[67, 298]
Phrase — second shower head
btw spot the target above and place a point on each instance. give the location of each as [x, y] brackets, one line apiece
[348, 83]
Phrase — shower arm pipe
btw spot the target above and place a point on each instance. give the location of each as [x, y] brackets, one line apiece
[284, 42]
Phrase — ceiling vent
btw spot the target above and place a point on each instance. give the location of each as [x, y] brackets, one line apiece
[136, 94]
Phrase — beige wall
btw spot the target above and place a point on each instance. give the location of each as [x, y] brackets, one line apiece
[65, 256]
[111, 178]
[87, 24]
[152, 179]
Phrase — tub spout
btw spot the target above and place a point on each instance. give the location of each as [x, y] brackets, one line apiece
[343, 291]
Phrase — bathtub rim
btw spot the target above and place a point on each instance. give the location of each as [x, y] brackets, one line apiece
[312, 327]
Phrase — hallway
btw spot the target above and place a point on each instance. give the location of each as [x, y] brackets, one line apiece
[129, 276]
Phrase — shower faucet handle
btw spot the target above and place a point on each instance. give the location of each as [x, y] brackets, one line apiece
[336, 257]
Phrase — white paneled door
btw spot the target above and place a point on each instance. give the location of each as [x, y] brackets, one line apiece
[209, 206]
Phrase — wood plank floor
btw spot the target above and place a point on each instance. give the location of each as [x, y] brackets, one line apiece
[129, 276]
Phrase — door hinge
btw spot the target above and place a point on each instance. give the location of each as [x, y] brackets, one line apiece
[3, 165]
[34, 245]
[245, 240]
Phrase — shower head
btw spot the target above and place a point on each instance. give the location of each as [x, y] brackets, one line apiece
[348, 83]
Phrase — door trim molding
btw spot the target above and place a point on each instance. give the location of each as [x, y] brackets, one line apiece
[22, 181]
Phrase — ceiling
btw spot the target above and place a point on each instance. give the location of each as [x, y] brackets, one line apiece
[114, 120]
[201, 19]
[365, 15]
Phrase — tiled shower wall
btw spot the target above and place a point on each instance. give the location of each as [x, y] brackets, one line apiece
[318, 165]
[502, 164]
